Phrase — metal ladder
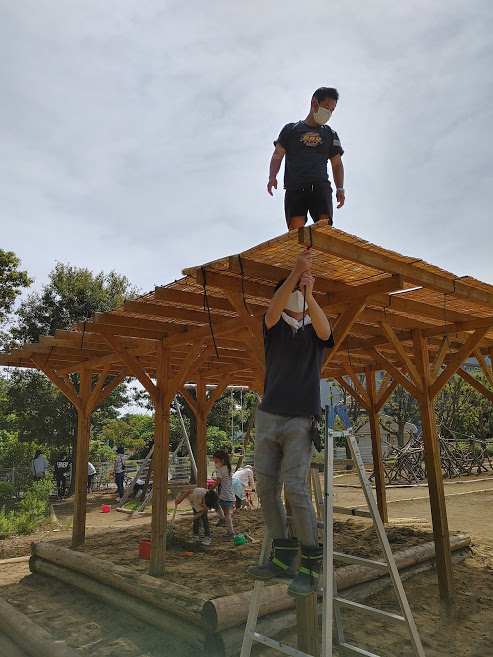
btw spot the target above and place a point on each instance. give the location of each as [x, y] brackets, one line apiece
[332, 606]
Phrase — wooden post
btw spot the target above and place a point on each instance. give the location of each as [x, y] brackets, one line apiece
[434, 470]
[83, 436]
[376, 444]
[201, 434]
[306, 610]
[160, 464]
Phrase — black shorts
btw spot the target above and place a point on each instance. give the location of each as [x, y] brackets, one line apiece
[315, 199]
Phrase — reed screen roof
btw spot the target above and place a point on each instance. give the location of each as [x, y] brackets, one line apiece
[215, 311]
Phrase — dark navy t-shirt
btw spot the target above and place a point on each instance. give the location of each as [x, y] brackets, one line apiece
[293, 362]
[308, 150]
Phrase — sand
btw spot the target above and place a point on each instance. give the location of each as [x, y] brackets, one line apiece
[464, 630]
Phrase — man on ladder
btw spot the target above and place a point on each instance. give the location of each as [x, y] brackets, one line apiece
[294, 344]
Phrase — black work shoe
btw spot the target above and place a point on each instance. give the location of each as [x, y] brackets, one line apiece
[282, 562]
[306, 581]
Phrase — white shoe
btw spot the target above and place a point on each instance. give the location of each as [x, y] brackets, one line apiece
[206, 540]
[195, 538]
[117, 499]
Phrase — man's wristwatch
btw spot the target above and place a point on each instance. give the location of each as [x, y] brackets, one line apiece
[341, 189]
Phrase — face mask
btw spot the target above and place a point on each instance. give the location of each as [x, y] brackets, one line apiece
[322, 115]
[296, 302]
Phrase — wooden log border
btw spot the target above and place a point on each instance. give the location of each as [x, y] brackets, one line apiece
[215, 625]
[222, 613]
[31, 637]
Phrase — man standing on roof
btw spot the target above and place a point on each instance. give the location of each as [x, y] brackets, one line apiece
[295, 345]
[308, 145]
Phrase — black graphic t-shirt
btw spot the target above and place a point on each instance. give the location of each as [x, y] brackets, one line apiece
[308, 150]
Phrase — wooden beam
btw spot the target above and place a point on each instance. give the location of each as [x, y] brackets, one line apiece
[406, 361]
[434, 471]
[201, 434]
[363, 290]
[458, 327]
[171, 312]
[197, 350]
[137, 322]
[56, 380]
[225, 326]
[197, 300]
[225, 282]
[98, 387]
[384, 395]
[83, 438]
[382, 262]
[357, 384]
[220, 388]
[376, 444]
[385, 364]
[484, 366]
[352, 392]
[108, 389]
[439, 358]
[343, 326]
[160, 459]
[486, 392]
[189, 399]
[132, 364]
[456, 361]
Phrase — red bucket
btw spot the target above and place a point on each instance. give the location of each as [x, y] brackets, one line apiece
[145, 548]
[105, 508]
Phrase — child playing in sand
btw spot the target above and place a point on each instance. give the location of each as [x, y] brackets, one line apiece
[226, 496]
[201, 500]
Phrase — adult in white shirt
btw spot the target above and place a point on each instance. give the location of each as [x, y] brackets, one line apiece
[39, 465]
[91, 471]
[242, 478]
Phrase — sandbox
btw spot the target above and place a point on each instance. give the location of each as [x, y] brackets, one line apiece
[204, 600]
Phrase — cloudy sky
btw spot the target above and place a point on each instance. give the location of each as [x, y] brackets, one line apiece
[136, 134]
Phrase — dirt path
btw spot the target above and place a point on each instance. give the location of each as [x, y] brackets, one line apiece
[99, 631]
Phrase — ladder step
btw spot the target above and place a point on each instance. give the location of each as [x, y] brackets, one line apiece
[370, 563]
[352, 650]
[346, 510]
[277, 645]
[341, 602]
[343, 461]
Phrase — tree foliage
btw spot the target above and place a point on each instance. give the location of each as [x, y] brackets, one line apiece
[402, 408]
[12, 281]
[71, 295]
[462, 411]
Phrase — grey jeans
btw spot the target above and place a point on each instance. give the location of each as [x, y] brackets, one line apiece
[283, 447]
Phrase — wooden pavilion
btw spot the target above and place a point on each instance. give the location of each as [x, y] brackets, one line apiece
[389, 313]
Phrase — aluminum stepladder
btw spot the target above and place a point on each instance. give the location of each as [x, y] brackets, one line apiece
[333, 605]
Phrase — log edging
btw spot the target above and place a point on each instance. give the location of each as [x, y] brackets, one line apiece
[222, 613]
[30, 636]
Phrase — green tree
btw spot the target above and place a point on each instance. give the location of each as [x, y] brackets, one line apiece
[402, 408]
[462, 411]
[71, 295]
[11, 281]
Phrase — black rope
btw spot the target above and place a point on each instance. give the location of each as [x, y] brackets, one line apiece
[243, 286]
[348, 352]
[304, 289]
[48, 356]
[83, 331]
[445, 322]
[206, 303]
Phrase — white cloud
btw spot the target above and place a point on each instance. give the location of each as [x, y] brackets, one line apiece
[136, 136]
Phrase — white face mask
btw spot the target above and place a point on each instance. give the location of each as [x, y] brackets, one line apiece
[322, 115]
[296, 302]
